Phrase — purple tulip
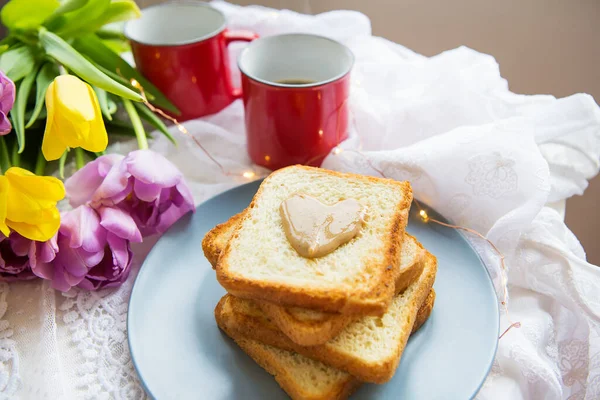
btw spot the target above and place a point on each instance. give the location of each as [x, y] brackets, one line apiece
[7, 99]
[94, 249]
[144, 184]
[82, 185]
[19, 255]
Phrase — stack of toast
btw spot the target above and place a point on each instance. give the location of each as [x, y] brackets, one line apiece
[323, 325]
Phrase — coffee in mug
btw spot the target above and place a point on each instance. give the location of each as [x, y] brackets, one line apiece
[296, 82]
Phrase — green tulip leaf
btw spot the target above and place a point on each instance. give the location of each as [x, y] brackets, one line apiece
[47, 73]
[118, 78]
[155, 121]
[70, 5]
[9, 40]
[112, 75]
[122, 10]
[117, 46]
[117, 11]
[57, 20]
[18, 111]
[103, 101]
[42, 116]
[27, 14]
[102, 55]
[113, 31]
[61, 51]
[82, 18]
[17, 62]
[112, 107]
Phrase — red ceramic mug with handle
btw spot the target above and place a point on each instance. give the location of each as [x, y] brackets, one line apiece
[295, 90]
[182, 49]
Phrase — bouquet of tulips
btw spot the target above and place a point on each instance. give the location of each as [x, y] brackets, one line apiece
[62, 82]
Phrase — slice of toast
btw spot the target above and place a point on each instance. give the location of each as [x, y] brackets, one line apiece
[369, 348]
[356, 278]
[215, 241]
[424, 311]
[304, 326]
[303, 378]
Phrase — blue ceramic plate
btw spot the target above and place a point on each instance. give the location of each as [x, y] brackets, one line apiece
[179, 352]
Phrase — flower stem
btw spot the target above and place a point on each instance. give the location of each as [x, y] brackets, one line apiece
[61, 165]
[16, 157]
[138, 128]
[4, 158]
[40, 164]
[79, 158]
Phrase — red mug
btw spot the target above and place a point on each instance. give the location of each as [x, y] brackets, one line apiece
[182, 49]
[295, 91]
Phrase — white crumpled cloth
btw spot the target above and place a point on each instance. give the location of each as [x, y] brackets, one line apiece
[484, 157]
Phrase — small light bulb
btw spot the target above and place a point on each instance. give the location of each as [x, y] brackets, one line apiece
[320, 132]
[248, 174]
[424, 215]
[134, 83]
[337, 151]
[267, 158]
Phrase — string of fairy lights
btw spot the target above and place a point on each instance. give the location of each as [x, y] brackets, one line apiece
[337, 151]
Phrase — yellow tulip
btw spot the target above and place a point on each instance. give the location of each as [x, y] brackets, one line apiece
[74, 118]
[3, 192]
[28, 204]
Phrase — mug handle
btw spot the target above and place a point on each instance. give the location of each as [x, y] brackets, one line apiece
[238, 36]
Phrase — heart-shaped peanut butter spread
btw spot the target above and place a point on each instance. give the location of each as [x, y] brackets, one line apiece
[315, 229]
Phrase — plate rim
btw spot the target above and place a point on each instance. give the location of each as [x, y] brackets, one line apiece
[257, 183]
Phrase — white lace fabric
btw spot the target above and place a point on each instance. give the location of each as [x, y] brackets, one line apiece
[484, 157]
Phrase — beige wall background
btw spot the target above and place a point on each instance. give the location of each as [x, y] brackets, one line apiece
[542, 46]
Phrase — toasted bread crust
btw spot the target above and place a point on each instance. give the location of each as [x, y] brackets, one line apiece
[406, 276]
[380, 372]
[269, 363]
[373, 301]
[305, 333]
[312, 334]
[425, 311]
[213, 243]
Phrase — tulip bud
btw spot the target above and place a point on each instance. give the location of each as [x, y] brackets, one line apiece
[74, 118]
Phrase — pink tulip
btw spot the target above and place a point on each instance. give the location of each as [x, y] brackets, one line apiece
[19, 255]
[144, 184]
[7, 99]
[94, 249]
